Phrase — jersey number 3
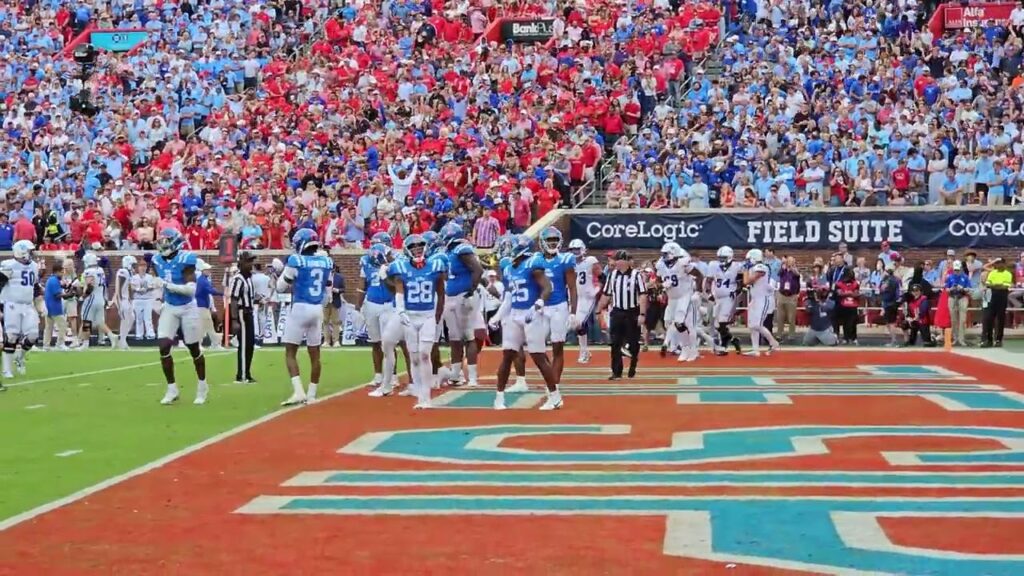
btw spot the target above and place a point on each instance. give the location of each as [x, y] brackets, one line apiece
[316, 287]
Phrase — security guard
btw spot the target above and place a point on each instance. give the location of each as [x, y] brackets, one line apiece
[243, 320]
[998, 281]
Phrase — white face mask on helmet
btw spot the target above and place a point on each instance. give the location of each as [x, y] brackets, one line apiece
[725, 255]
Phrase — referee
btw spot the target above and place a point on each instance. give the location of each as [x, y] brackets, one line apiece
[243, 322]
[625, 290]
[998, 280]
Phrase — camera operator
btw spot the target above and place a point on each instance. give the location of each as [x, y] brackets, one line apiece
[820, 308]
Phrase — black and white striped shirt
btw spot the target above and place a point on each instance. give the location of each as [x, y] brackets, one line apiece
[624, 289]
[242, 292]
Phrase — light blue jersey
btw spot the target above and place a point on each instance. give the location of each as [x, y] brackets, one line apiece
[554, 269]
[312, 276]
[460, 278]
[520, 283]
[173, 272]
[376, 291]
[420, 283]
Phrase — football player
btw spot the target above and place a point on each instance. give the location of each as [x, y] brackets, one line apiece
[675, 281]
[419, 304]
[588, 269]
[307, 274]
[723, 277]
[760, 302]
[527, 289]
[176, 275]
[18, 277]
[94, 301]
[463, 313]
[123, 299]
[378, 301]
[560, 305]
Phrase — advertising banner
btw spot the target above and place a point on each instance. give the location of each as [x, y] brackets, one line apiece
[966, 228]
[527, 30]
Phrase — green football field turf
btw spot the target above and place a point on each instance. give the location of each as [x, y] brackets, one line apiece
[105, 405]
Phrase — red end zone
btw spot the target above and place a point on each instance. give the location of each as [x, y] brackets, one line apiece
[181, 518]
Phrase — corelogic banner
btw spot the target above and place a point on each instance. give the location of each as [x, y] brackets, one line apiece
[966, 228]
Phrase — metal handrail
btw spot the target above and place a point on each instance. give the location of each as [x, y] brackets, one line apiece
[601, 176]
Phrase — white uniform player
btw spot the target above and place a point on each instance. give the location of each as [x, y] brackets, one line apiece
[123, 300]
[687, 313]
[760, 302]
[21, 319]
[144, 295]
[724, 275]
[676, 283]
[94, 301]
[587, 289]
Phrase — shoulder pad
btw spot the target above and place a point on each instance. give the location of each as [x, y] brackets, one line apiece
[463, 248]
[189, 259]
[293, 261]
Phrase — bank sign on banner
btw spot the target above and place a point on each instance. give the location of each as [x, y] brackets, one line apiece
[539, 30]
[924, 229]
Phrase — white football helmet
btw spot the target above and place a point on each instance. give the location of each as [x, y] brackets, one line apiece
[755, 256]
[577, 247]
[725, 255]
[23, 250]
[671, 251]
[90, 259]
[759, 267]
[277, 265]
[128, 262]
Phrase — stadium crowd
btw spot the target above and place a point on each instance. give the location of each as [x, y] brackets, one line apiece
[259, 118]
[842, 104]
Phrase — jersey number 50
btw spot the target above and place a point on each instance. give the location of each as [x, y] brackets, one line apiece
[28, 278]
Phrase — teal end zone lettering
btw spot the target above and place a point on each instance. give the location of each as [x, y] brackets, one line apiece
[712, 381]
[907, 370]
[483, 445]
[976, 401]
[732, 397]
[589, 478]
[823, 535]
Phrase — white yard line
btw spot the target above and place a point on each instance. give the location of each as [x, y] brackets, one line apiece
[94, 372]
[85, 492]
[67, 453]
[35, 407]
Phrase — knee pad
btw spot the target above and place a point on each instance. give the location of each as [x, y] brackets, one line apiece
[10, 345]
[682, 328]
[27, 344]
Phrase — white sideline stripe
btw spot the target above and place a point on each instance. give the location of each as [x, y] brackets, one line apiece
[67, 453]
[104, 371]
[35, 407]
[85, 492]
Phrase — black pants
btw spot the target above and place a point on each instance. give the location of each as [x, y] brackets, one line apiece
[994, 322]
[624, 330]
[847, 318]
[246, 344]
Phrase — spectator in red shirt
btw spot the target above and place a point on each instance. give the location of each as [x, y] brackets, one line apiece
[196, 236]
[548, 198]
[901, 177]
[520, 213]
[24, 229]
